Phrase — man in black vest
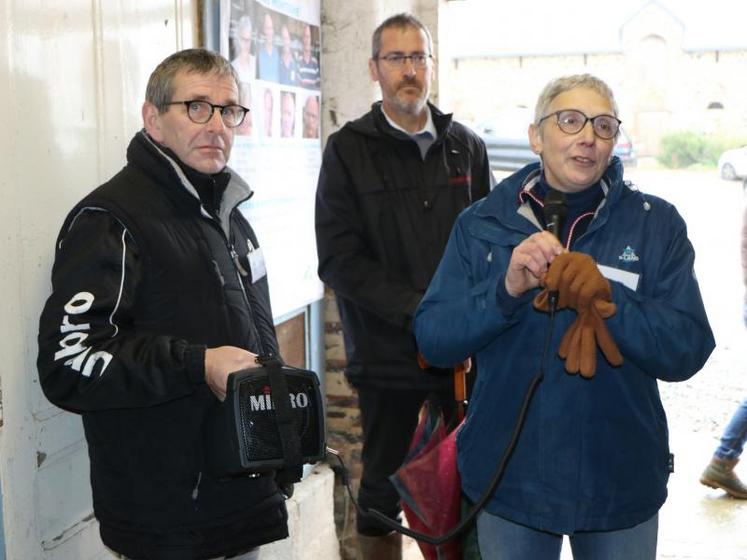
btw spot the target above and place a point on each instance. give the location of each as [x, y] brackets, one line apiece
[158, 293]
[391, 185]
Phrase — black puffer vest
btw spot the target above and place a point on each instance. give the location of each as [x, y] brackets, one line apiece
[152, 494]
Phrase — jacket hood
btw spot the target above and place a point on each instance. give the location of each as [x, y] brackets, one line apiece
[374, 123]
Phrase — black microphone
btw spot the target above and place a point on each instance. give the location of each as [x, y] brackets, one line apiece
[554, 211]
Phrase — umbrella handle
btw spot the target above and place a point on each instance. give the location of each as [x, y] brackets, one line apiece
[460, 386]
[460, 382]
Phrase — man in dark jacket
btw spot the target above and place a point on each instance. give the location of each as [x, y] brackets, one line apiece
[159, 292]
[390, 188]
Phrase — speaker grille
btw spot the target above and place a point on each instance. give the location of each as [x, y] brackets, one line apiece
[258, 426]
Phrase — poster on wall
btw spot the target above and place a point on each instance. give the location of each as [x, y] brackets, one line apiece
[274, 46]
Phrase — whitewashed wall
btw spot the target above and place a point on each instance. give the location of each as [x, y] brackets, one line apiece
[72, 78]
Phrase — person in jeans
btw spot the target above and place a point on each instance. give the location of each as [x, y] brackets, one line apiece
[720, 471]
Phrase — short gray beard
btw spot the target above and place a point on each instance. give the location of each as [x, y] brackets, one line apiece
[410, 107]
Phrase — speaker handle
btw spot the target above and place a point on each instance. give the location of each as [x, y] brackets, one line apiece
[270, 360]
[287, 424]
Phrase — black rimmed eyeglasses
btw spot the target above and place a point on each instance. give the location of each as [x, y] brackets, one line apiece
[200, 112]
[397, 60]
[572, 121]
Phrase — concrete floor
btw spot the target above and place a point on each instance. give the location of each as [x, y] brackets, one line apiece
[697, 522]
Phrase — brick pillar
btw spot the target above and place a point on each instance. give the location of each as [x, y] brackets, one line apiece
[343, 424]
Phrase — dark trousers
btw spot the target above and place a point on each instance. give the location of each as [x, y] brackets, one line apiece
[389, 418]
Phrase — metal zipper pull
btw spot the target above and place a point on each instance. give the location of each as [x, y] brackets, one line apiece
[237, 262]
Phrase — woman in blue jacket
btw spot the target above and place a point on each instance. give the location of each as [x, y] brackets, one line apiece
[593, 459]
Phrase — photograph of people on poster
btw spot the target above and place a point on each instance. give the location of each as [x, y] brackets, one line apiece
[244, 61]
[245, 98]
[274, 46]
[268, 112]
[311, 117]
[287, 114]
[308, 63]
[288, 69]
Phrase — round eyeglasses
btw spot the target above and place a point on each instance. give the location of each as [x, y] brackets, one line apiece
[200, 112]
[418, 60]
[572, 121]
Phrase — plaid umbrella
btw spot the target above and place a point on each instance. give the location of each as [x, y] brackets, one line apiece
[428, 481]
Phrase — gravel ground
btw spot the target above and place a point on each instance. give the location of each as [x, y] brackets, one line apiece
[712, 209]
[698, 523]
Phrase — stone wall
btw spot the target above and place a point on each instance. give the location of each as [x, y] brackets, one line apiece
[660, 86]
[652, 103]
[343, 424]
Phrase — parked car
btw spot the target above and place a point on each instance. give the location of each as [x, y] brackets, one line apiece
[624, 149]
[505, 137]
[507, 141]
[732, 164]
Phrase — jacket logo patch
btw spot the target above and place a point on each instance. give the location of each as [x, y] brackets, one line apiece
[460, 180]
[71, 345]
[628, 255]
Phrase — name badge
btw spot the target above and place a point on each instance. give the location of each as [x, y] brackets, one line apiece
[256, 262]
[628, 279]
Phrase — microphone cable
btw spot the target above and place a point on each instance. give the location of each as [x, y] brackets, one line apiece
[500, 469]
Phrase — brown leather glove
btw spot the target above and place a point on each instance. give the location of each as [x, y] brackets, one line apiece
[577, 280]
[579, 344]
[581, 286]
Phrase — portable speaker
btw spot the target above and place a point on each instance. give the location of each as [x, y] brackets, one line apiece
[251, 432]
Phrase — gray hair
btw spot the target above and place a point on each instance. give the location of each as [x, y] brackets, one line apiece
[567, 83]
[160, 89]
[400, 21]
[245, 22]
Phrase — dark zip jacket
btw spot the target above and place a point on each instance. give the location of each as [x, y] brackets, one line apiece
[144, 280]
[383, 216]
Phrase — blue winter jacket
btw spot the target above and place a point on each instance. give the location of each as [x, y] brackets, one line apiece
[593, 453]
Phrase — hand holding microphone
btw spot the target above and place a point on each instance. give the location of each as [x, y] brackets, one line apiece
[573, 280]
[554, 211]
[577, 280]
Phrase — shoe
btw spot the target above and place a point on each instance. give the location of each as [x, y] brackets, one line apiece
[720, 474]
[386, 547]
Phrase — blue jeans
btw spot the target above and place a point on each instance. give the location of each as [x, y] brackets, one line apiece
[501, 539]
[735, 435]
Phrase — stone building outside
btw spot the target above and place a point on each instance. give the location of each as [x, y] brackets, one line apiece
[669, 73]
